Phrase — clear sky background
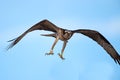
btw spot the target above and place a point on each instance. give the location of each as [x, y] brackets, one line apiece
[85, 59]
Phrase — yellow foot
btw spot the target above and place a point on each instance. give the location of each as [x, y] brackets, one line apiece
[61, 56]
[50, 53]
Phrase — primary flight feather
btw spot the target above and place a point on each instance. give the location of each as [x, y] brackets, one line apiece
[65, 35]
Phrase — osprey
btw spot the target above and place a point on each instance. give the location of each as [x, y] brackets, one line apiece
[65, 35]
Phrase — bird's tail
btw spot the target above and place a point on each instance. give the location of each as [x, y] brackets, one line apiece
[49, 35]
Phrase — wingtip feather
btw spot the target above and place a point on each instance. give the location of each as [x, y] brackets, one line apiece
[11, 44]
[11, 40]
[117, 60]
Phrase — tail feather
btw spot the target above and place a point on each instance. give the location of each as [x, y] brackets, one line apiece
[49, 35]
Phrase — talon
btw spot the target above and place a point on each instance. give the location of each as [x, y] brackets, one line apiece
[61, 56]
[50, 53]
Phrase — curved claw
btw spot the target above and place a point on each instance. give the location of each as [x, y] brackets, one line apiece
[50, 53]
[61, 56]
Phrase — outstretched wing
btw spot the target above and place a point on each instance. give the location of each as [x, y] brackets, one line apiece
[101, 40]
[42, 25]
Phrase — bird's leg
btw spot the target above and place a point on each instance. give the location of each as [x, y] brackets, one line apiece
[51, 51]
[61, 54]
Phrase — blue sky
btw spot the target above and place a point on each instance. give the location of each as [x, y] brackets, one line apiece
[85, 59]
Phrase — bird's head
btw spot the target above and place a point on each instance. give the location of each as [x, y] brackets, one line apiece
[68, 34]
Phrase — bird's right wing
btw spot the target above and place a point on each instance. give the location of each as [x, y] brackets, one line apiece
[101, 40]
[42, 25]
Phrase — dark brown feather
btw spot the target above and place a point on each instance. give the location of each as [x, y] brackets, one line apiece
[100, 39]
[62, 33]
[42, 25]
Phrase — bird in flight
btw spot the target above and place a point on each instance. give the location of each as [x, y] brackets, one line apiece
[65, 35]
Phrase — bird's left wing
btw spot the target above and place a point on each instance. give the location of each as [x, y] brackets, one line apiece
[42, 25]
[101, 40]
